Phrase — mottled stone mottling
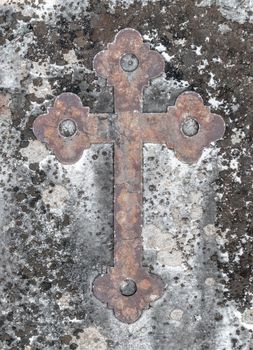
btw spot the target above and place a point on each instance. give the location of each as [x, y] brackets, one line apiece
[56, 220]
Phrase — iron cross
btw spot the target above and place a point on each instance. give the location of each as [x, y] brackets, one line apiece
[128, 64]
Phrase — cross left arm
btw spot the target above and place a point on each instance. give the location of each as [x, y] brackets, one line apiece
[68, 128]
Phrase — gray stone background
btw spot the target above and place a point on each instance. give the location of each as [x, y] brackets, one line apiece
[56, 221]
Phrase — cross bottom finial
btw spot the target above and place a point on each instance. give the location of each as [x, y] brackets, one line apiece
[128, 64]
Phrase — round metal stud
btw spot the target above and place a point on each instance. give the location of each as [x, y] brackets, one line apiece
[128, 287]
[129, 62]
[67, 128]
[190, 127]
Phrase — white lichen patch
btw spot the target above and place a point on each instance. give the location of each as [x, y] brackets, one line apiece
[235, 10]
[237, 136]
[215, 103]
[154, 238]
[70, 57]
[170, 258]
[224, 28]
[55, 197]
[212, 81]
[39, 70]
[151, 37]
[247, 316]
[176, 314]
[233, 323]
[210, 230]
[160, 47]
[196, 212]
[64, 301]
[210, 282]
[197, 49]
[13, 65]
[91, 338]
[178, 206]
[164, 243]
[202, 66]
[35, 152]
[167, 57]
[44, 10]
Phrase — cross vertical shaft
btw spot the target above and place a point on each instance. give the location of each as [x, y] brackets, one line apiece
[128, 204]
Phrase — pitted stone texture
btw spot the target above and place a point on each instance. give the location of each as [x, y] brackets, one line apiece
[175, 197]
[48, 261]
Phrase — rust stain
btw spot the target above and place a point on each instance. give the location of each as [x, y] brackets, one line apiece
[128, 64]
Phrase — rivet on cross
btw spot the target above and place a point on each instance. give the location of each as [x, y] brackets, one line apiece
[128, 64]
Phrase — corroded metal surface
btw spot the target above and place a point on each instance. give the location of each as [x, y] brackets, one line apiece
[128, 85]
[128, 64]
[68, 106]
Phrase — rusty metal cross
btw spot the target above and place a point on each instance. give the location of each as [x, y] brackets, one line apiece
[128, 64]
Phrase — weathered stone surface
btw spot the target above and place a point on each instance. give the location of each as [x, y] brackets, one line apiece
[57, 220]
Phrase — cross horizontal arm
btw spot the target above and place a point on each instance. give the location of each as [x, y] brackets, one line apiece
[169, 128]
[68, 128]
[99, 128]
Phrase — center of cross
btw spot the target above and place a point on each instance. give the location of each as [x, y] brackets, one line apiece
[129, 62]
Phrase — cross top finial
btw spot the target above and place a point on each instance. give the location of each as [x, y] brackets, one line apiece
[128, 64]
